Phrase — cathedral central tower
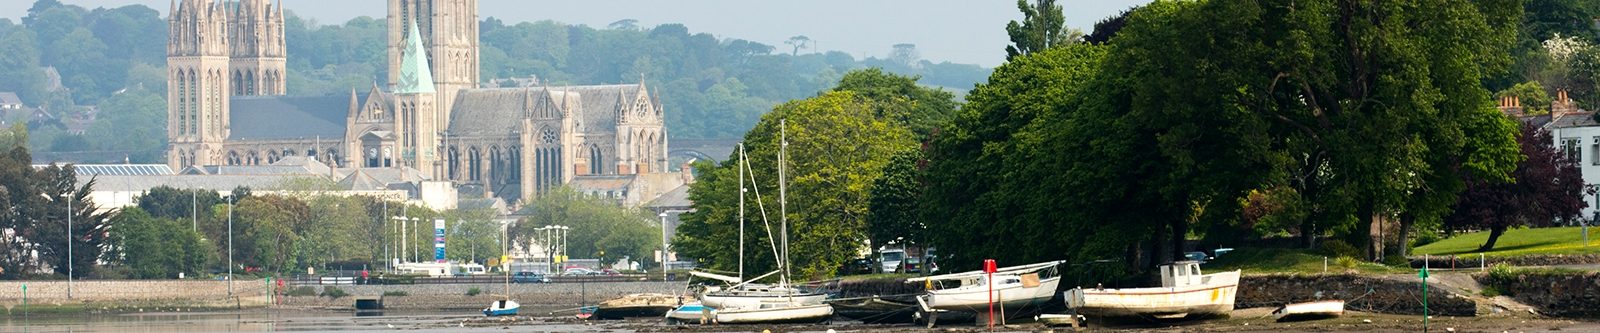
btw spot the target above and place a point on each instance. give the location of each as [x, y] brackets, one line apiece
[449, 31]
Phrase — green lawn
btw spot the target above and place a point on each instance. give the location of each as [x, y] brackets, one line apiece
[1567, 240]
[1258, 261]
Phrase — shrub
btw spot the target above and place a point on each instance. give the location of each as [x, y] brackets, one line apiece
[302, 291]
[1338, 248]
[334, 292]
[1347, 263]
[394, 293]
[1396, 260]
[1425, 237]
[474, 291]
[1502, 272]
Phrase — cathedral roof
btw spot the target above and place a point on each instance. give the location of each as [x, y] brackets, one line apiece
[414, 74]
[281, 117]
[499, 111]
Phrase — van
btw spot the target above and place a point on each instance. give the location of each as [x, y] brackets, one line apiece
[889, 260]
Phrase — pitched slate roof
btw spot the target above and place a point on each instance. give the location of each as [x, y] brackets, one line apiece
[499, 111]
[7, 97]
[280, 117]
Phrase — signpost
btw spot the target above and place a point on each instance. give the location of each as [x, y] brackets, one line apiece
[438, 241]
[989, 267]
[1424, 276]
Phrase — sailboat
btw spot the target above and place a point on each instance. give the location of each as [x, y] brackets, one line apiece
[504, 306]
[748, 302]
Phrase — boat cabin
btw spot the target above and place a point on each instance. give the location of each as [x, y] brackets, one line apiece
[1181, 273]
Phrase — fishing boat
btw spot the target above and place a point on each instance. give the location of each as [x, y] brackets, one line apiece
[1309, 311]
[1012, 288]
[637, 305]
[776, 313]
[504, 307]
[691, 313]
[1183, 292]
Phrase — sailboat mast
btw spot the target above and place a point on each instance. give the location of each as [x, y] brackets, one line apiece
[741, 210]
[783, 202]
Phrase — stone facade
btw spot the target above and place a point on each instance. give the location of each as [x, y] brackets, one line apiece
[226, 65]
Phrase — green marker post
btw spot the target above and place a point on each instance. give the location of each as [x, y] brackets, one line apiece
[24, 300]
[1424, 276]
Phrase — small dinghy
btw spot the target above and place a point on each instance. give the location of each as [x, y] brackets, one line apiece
[1309, 311]
[502, 307]
[691, 313]
[638, 305]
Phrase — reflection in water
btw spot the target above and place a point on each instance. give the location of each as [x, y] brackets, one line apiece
[244, 321]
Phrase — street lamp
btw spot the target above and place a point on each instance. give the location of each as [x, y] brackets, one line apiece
[70, 258]
[400, 252]
[231, 199]
[664, 239]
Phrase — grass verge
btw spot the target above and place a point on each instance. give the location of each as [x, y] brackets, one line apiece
[1517, 242]
[1259, 261]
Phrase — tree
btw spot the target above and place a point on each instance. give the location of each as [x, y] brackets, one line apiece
[624, 24]
[839, 143]
[473, 235]
[905, 54]
[1043, 26]
[157, 248]
[20, 66]
[597, 225]
[894, 199]
[87, 230]
[926, 108]
[1108, 27]
[798, 42]
[1547, 188]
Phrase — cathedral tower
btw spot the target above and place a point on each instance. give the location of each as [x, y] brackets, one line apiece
[415, 100]
[255, 32]
[197, 83]
[449, 30]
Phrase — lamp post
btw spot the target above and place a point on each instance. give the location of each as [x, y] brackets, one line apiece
[69, 244]
[414, 256]
[664, 238]
[231, 199]
[400, 250]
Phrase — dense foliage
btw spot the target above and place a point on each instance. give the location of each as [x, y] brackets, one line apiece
[839, 144]
[1548, 189]
[598, 227]
[36, 234]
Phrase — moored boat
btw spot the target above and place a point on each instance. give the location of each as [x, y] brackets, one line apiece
[876, 309]
[1309, 310]
[1013, 288]
[691, 313]
[1184, 292]
[638, 305]
[504, 307]
[776, 313]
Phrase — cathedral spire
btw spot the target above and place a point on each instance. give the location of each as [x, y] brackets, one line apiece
[414, 74]
[355, 104]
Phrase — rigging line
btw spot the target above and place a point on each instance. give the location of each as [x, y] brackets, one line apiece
[760, 205]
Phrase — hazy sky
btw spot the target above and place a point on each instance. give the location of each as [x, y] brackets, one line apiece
[963, 31]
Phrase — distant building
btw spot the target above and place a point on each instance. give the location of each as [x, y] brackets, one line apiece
[1575, 133]
[226, 106]
[9, 101]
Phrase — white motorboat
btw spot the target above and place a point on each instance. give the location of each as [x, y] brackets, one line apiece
[776, 313]
[1309, 310]
[1012, 288]
[1183, 292]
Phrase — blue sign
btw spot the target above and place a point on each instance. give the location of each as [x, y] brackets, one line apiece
[438, 241]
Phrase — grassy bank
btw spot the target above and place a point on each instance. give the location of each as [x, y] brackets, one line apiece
[1516, 242]
[1259, 261]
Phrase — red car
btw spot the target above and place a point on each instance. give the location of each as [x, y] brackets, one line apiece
[610, 272]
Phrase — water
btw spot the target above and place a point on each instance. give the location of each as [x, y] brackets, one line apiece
[264, 321]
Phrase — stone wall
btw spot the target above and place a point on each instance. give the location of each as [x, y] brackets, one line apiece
[454, 296]
[1552, 293]
[110, 290]
[1380, 294]
[1471, 261]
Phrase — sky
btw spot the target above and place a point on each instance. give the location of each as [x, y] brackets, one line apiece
[960, 31]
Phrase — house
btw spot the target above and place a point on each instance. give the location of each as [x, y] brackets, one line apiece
[1575, 132]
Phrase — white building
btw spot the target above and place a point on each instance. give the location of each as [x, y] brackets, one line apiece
[1573, 131]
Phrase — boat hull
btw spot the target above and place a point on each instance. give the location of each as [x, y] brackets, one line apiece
[1309, 311]
[798, 314]
[692, 313]
[1215, 298]
[741, 300]
[501, 308]
[876, 310]
[638, 305]
[976, 298]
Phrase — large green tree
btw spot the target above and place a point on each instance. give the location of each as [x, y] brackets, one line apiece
[1043, 26]
[600, 229]
[158, 248]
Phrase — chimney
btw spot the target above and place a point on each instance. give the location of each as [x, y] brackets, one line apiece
[1563, 105]
[686, 171]
[1510, 106]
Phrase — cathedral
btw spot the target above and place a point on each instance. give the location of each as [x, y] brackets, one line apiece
[228, 105]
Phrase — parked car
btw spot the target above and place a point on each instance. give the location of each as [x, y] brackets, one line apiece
[609, 272]
[1196, 256]
[529, 277]
[856, 266]
[911, 265]
[576, 271]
